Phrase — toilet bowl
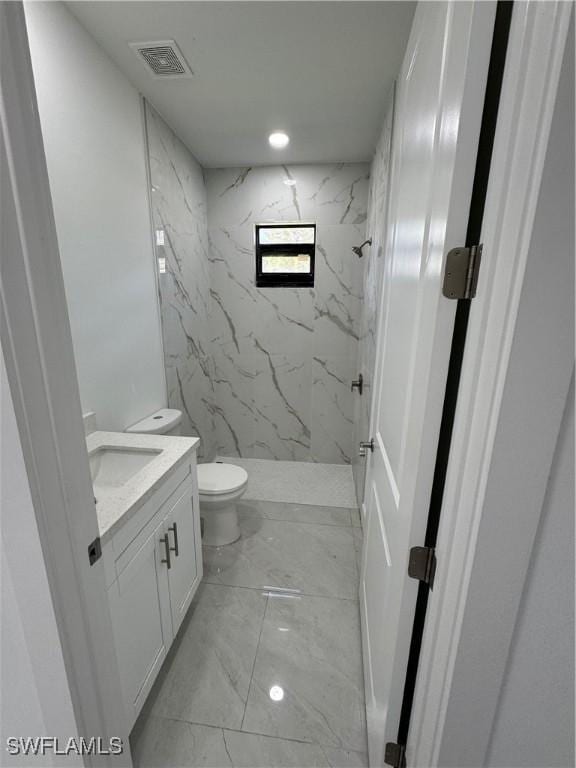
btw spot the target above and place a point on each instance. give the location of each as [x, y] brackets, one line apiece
[219, 487]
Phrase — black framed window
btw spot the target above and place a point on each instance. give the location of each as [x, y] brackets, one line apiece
[285, 254]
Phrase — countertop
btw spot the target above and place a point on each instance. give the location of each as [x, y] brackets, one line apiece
[115, 506]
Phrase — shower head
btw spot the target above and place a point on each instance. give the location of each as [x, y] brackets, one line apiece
[357, 249]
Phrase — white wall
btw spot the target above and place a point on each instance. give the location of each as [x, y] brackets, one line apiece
[534, 723]
[535, 720]
[34, 695]
[93, 135]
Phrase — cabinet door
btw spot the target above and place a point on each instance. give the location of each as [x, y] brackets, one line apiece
[139, 604]
[186, 566]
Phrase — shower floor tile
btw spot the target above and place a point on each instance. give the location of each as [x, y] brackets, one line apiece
[299, 482]
[298, 513]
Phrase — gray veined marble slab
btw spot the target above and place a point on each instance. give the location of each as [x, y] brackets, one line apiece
[355, 517]
[327, 194]
[331, 419]
[206, 679]
[270, 389]
[297, 513]
[164, 743]
[179, 211]
[248, 750]
[307, 682]
[358, 535]
[314, 559]
[241, 361]
[345, 758]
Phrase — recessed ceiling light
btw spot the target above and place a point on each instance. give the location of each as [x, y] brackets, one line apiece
[290, 182]
[278, 139]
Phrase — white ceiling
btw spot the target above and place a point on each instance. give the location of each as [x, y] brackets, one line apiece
[321, 71]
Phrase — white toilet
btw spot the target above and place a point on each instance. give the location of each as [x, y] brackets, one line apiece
[220, 486]
[166, 421]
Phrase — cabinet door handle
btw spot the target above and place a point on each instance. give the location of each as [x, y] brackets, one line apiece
[174, 529]
[164, 540]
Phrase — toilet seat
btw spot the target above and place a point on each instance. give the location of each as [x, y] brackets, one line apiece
[217, 479]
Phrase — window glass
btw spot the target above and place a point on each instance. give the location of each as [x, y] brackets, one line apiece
[286, 235]
[288, 263]
[285, 255]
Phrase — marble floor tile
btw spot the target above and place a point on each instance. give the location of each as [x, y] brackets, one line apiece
[314, 559]
[297, 513]
[248, 750]
[358, 536]
[207, 675]
[298, 482]
[164, 743]
[345, 758]
[307, 682]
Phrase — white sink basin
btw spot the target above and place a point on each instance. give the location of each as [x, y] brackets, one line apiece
[113, 467]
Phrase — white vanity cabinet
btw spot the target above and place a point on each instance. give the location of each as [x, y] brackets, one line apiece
[185, 561]
[153, 566]
[141, 622]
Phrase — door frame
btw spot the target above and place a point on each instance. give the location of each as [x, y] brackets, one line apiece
[535, 50]
[39, 357]
[44, 385]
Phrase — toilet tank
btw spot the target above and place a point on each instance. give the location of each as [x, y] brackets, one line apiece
[166, 421]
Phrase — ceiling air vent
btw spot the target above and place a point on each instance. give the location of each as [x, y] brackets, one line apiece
[163, 59]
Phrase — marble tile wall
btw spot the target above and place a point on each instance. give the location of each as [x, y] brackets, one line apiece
[181, 239]
[372, 279]
[257, 372]
[284, 357]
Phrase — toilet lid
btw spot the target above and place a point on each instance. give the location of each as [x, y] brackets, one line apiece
[220, 478]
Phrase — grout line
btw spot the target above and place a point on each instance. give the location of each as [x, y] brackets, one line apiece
[259, 733]
[298, 503]
[222, 732]
[297, 522]
[254, 662]
[289, 590]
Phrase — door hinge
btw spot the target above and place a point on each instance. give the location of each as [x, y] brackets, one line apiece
[395, 755]
[422, 564]
[95, 550]
[461, 272]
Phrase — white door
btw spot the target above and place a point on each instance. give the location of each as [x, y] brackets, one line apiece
[183, 530]
[440, 97]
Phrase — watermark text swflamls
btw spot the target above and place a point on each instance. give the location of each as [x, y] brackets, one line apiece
[44, 745]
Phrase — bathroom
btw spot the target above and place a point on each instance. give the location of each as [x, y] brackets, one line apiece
[257, 216]
[158, 256]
